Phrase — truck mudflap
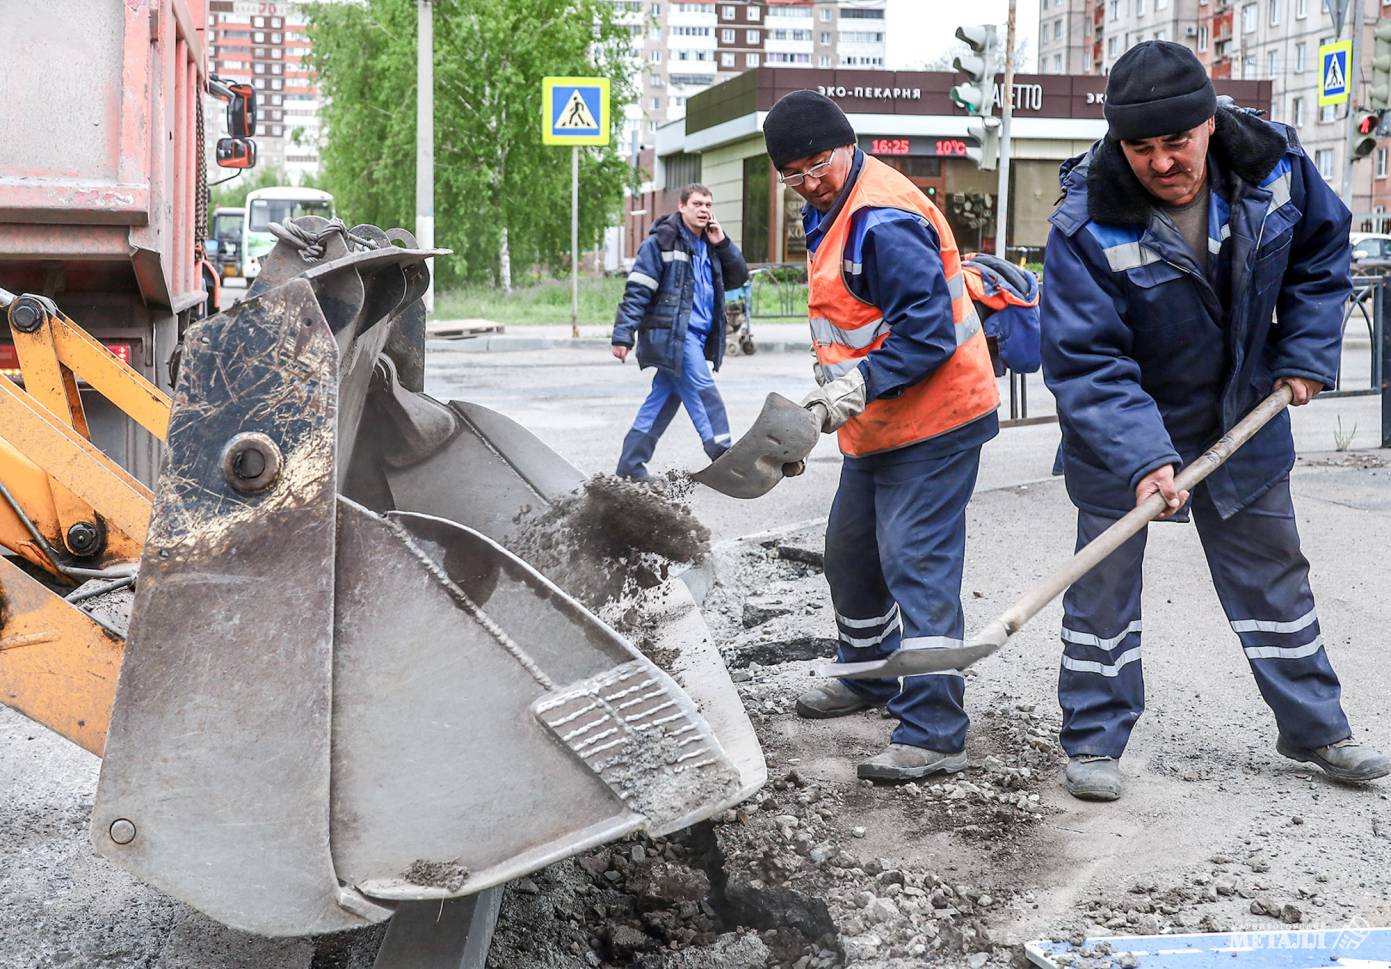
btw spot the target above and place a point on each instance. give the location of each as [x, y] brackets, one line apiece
[327, 708]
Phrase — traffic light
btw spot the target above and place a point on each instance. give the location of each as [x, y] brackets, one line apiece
[977, 94]
[1366, 140]
[1381, 65]
[986, 153]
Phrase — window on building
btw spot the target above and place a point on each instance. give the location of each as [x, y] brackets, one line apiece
[1381, 163]
[277, 68]
[1110, 46]
[1323, 160]
[1301, 53]
[260, 37]
[1272, 60]
[755, 12]
[1248, 18]
[1328, 114]
[750, 60]
[1139, 8]
[726, 60]
[1248, 67]
[823, 61]
[276, 38]
[277, 22]
[655, 57]
[825, 36]
[1161, 35]
[258, 21]
[260, 69]
[1301, 8]
[728, 11]
[277, 84]
[1297, 112]
[727, 36]
[1057, 63]
[751, 37]
[1273, 12]
[1161, 4]
[1202, 37]
[1115, 9]
[1058, 29]
[827, 14]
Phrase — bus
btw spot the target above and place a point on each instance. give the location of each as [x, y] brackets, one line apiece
[267, 205]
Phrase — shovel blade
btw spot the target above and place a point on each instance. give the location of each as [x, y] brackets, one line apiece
[784, 433]
[911, 662]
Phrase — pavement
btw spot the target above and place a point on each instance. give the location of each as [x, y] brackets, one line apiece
[1204, 781]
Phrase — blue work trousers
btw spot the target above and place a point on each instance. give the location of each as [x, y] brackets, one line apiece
[1262, 580]
[895, 543]
[694, 387]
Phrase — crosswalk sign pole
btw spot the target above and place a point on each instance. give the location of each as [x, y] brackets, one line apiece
[575, 242]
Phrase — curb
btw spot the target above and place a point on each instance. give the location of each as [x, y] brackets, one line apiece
[512, 343]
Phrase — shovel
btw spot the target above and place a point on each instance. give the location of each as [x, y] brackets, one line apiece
[783, 434]
[910, 662]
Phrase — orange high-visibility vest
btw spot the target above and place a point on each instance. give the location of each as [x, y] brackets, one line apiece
[845, 329]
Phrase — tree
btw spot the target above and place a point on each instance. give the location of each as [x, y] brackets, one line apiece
[501, 197]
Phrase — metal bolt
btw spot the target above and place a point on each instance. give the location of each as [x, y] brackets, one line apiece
[251, 462]
[84, 538]
[26, 316]
[122, 831]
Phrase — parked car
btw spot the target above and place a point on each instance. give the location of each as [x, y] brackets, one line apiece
[1371, 253]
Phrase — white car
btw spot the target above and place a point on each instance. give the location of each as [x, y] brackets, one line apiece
[1371, 248]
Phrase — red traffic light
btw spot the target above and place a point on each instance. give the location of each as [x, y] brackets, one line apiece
[1368, 124]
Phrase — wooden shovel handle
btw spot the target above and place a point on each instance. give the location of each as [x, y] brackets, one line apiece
[1108, 541]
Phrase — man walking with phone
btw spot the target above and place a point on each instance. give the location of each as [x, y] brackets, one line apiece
[673, 311]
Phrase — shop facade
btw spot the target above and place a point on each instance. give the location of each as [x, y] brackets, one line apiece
[905, 119]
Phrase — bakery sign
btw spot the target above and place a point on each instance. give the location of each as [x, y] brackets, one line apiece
[864, 92]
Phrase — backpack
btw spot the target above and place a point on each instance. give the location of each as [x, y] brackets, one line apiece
[1006, 300]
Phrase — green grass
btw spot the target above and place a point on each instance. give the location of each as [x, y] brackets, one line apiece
[544, 302]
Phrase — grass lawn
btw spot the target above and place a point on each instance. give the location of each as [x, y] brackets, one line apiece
[545, 302]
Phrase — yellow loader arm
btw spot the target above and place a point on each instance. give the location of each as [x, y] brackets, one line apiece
[72, 514]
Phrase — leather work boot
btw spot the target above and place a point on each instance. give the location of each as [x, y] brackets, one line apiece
[1347, 760]
[900, 762]
[1092, 778]
[831, 699]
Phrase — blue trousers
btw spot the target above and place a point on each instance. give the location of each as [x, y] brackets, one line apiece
[694, 387]
[895, 543]
[1262, 579]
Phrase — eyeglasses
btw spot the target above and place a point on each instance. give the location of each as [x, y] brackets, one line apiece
[815, 171]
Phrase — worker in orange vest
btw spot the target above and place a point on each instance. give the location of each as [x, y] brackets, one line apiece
[905, 380]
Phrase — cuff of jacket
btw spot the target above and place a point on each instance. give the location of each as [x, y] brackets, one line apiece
[621, 343]
[1154, 465]
[1322, 378]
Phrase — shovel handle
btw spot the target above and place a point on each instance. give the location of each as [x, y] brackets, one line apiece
[1091, 555]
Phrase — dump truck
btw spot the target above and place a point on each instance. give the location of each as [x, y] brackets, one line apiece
[266, 578]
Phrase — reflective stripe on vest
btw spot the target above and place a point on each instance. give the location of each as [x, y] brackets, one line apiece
[846, 329]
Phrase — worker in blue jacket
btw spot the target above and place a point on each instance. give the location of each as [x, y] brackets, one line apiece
[673, 308]
[1180, 236]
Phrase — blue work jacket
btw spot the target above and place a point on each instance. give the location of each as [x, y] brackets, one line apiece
[656, 306]
[1150, 358]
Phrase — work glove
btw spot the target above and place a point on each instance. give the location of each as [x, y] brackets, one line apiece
[836, 402]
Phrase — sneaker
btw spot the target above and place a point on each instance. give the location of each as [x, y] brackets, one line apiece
[1093, 778]
[831, 699]
[900, 762]
[1347, 760]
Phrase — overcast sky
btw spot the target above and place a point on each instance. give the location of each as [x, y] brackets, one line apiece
[921, 29]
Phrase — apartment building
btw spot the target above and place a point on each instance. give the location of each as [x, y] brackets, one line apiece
[266, 43]
[680, 49]
[1064, 38]
[1252, 40]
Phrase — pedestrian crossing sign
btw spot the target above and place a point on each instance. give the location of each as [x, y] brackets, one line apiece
[1333, 72]
[575, 110]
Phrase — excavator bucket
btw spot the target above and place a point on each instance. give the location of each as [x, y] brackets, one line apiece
[341, 691]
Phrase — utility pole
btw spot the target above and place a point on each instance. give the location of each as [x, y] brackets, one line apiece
[1352, 80]
[574, 242]
[425, 140]
[1006, 113]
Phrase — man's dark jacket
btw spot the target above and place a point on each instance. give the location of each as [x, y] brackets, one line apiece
[1150, 358]
[656, 304]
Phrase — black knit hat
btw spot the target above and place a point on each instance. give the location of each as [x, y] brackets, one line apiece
[804, 123]
[1157, 88]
